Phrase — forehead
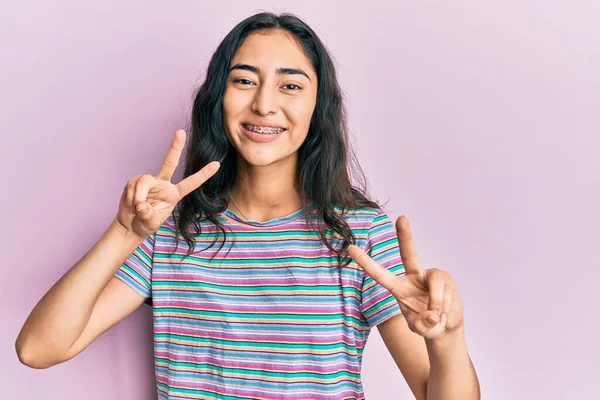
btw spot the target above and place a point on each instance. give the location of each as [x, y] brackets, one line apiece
[271, 50]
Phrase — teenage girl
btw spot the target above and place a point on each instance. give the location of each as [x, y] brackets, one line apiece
[266, 266]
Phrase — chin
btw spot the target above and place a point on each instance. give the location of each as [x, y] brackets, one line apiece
[261, 159]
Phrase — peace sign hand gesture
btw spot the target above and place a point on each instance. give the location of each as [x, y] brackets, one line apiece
[147, 200]
[428, 298]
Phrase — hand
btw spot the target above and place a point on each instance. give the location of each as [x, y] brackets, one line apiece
[147, 201]
[428, 298]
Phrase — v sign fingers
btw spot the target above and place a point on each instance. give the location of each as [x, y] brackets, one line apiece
[149, 200]
[408, 251]
[173, 155]
[196, 180]
[408, 293]
[380, 274]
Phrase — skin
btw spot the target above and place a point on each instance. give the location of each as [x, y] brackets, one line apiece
[265, 189]
[88, 300]
[265, 185]
[427, 340]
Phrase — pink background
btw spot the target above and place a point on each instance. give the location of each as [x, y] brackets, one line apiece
[478, 120]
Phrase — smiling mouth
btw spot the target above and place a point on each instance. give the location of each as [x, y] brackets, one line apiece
[264, 130]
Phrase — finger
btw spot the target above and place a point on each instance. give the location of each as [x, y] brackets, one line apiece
[413, 304]
[408, 252]
[147, 215]
[144, 211]
[436, 293]
[142, 187]
[130, 187]
[426, 324]
[381, 275]
[171, 161]
[447, 304]
[457, 309]
[196, 180]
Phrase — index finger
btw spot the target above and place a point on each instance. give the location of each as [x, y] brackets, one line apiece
[196, 180]
[381, 275]
[173, 155]
[408, 252]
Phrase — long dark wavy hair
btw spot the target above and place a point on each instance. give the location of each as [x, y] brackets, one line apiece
[325, 159]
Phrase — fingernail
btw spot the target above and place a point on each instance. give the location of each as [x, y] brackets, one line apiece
[444, 319]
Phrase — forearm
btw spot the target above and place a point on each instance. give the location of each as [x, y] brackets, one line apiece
[60, 316]
[452, 375]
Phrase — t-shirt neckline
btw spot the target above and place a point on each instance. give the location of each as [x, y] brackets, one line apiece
[272, 222]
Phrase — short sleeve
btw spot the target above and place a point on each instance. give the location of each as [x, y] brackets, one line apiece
[136, 271]
[378, 304]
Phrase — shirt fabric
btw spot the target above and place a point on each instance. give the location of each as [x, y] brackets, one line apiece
[271, 315]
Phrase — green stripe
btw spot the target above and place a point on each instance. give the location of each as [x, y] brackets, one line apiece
[257, 374]
[135, 274]
[244, 261]
[170, 285]
[264, 316]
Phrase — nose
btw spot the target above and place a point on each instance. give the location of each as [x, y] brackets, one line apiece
[265, 101]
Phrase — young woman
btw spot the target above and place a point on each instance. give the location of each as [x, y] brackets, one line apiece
[266, 266]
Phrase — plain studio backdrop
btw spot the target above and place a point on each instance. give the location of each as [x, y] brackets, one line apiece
[477, 120]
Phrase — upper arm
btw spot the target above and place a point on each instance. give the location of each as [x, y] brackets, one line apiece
[116, 302]
[408, 351]
[377, 303]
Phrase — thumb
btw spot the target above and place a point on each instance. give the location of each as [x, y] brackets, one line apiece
[428, 324]
[148, 217]
[144, 211]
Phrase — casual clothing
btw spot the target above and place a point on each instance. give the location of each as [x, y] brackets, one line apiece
[271, 316]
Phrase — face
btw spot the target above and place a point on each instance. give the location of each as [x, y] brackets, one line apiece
[270, 98]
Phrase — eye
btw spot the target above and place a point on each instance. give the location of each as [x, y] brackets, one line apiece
[292, 87]
[243, 81]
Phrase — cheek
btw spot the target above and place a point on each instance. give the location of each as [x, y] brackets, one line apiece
[227, 105]
[301, 113]
[233, 104]
[229, 113]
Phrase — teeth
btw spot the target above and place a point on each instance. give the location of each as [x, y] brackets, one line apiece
[263, 129]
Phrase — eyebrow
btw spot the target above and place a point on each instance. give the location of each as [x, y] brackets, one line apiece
[280, 71]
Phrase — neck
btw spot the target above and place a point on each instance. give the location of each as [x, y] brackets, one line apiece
[263, 193]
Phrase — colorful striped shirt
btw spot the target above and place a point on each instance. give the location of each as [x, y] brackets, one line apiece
[270, 316]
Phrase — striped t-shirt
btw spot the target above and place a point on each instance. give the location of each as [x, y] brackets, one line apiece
[271, 316]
